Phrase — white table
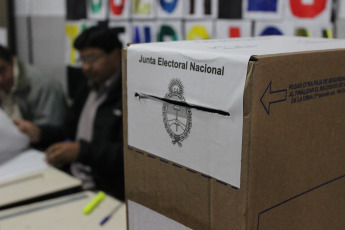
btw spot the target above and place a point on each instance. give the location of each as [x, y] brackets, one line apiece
[65, 213]
[27, 177]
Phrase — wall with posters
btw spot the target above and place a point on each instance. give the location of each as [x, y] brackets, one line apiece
[169, 20]
[166, 20]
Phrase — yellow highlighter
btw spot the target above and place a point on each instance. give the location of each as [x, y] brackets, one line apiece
[93, 203]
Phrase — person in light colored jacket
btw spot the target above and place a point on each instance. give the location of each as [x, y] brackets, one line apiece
[26, 93]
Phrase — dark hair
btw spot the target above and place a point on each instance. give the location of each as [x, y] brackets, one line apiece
[99, 37]
[5, 54]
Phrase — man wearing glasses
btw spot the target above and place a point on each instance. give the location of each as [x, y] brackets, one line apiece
[91, 139]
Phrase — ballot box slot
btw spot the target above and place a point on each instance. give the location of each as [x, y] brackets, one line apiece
[181, 103]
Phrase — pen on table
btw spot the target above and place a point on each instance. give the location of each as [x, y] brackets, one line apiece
[106, 218]
[93, 203]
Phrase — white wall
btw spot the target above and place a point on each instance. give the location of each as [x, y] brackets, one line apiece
[40, 32]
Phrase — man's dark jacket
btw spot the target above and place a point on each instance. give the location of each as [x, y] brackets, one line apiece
[105, 153]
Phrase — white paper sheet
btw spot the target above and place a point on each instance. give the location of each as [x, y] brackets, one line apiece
[12, 141]
[142, 218]
[212, 144]
[27, 162]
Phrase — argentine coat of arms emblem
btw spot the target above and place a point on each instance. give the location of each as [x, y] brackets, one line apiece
[176, 117]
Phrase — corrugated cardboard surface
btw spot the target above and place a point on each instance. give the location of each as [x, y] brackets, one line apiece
[293, 158]
[297, 157]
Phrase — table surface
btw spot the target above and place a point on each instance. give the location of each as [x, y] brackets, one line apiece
[65, 213]
[36, 184]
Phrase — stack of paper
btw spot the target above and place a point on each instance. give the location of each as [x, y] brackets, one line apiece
[25, 163]
[12, 141]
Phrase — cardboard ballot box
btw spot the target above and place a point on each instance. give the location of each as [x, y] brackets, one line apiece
[235, 134]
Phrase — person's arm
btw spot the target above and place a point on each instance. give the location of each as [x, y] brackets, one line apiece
[62, 153]
[32, 131]
[40, 136]
[102, 157]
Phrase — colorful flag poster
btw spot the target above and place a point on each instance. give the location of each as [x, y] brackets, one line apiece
[143, 9]
[119, 9]
[266, 28]
[72, 31]
[197, 30]
[200, 9]
[262, 9]
[228, 28]
[97, 9]
[169, 30]
[317, 11]
[311, 29]
[170, 8]
[143, 31]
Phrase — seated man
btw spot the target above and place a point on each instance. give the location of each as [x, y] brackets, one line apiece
[94, 123]
[27, 94]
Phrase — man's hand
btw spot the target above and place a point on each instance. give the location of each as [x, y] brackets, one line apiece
[62, 153]
[30, 129]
